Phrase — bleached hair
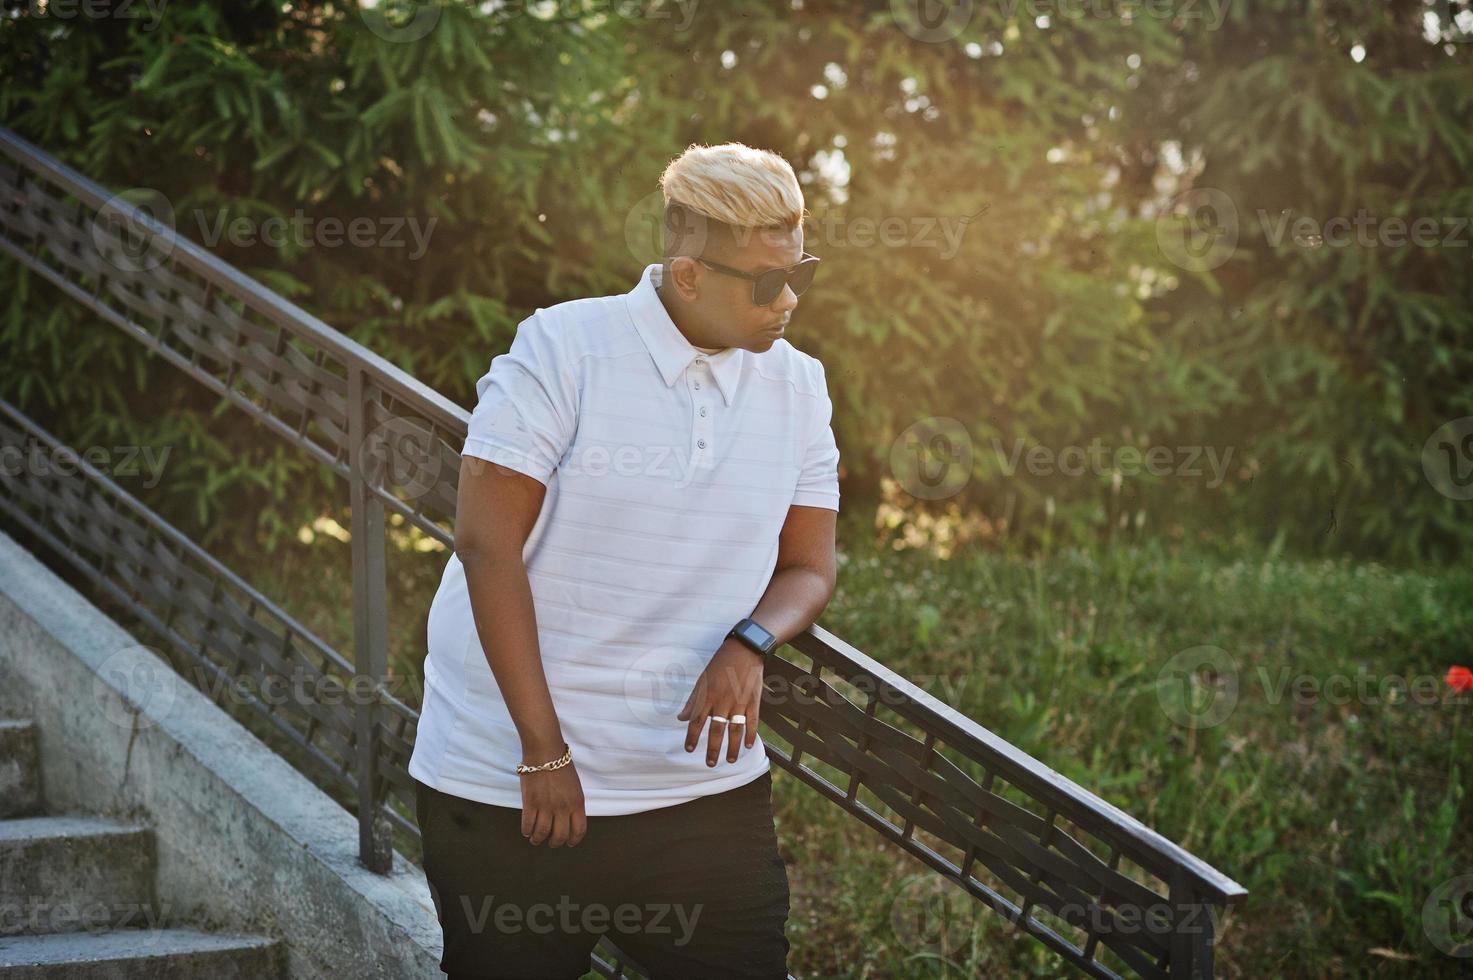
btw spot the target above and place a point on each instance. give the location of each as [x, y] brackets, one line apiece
[735, 184]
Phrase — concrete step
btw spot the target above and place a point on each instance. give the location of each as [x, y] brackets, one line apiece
[73, 873]
[140, 954]
[20, 771]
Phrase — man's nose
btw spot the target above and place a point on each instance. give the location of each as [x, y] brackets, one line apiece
[786, 300]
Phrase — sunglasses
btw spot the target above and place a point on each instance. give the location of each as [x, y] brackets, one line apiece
[767, 286]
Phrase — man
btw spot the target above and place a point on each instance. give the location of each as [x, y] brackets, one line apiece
[647, 504]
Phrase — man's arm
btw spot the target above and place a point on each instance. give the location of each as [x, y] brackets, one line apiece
[803, 579]
[495, 510]
[801, 586]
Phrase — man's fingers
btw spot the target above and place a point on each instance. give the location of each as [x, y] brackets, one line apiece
[561, 823]
[542, 827]
[714, 740]
[579, 828]
[734, 741]
[693, 728]
[697, 695]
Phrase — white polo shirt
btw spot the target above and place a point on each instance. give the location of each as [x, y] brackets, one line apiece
[669, 474]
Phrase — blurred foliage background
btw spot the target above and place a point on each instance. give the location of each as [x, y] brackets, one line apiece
[1010, 262]
[1057, 238]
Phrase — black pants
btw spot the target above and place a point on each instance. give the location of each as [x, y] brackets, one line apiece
[696, 890]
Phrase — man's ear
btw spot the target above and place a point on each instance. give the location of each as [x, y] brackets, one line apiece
[685, 275]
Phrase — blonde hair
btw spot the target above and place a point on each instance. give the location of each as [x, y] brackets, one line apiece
[734, 184]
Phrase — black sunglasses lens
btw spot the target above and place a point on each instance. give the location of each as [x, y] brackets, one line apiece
[766, 286]
[802, 277]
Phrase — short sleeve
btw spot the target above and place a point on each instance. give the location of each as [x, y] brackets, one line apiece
[526, 404]
[818, 479]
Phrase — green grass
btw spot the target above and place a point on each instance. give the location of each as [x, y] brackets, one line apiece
[1337, 811]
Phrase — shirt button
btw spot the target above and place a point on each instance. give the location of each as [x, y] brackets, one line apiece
[701, 443]
[703, 411]
[695, 384]
[700, 360]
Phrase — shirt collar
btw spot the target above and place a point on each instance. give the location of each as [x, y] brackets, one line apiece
[667, 345]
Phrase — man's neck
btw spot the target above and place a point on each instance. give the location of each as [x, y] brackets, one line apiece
[675, 319]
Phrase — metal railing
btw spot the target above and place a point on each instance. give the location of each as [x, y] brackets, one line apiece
[1087, 880]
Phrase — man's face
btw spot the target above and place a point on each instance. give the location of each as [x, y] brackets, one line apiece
[725, 302]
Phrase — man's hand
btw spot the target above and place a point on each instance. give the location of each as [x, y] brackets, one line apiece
[552, 807]
[730, 685]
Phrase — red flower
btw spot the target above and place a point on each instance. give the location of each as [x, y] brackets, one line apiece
[1460, 678]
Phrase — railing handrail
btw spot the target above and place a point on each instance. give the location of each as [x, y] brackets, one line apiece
[275, 307]
[1071, 799]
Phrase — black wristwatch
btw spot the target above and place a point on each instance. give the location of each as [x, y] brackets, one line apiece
[754, 636]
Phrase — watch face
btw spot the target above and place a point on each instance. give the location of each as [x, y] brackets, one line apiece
[755, 633]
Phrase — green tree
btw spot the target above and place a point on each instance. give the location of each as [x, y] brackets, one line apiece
[994, 196]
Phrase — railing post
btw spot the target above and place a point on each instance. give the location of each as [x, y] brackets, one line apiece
[1191, 935]
[370, 628]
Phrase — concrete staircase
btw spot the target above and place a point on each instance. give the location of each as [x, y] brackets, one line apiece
[77, 894]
